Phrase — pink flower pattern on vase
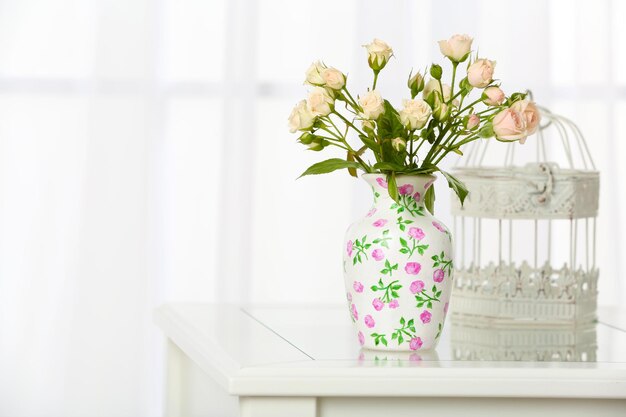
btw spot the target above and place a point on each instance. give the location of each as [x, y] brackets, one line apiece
[417, 286]
[413, 268]
[416, 343]
[438, 275]
[400, 257]
[405, 189]
[379, 223]
[378, 254]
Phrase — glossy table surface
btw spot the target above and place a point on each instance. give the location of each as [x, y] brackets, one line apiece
[312, 351]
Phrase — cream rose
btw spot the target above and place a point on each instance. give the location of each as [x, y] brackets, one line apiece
[529, 111]
[480, 73]
[472, 121]
[433, 85]
[301, 117]
[372, 104]
[510, 125]
[457, 47]
[320, 102]
[314, 74]
[378, 53]
[398, 144]
[493, 96]
[415, 113]
[333, 78]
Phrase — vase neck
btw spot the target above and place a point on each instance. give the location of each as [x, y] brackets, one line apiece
[414, 186]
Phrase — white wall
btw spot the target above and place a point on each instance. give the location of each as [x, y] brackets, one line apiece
[144, 158]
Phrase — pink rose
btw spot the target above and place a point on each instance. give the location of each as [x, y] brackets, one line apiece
[413, 268]
[394, 303]
[445, 308]
[425, 316]
[371, 212]
[361, 339]
[417, 286]
[379, 223]
[355, 313]
[378, 254]
[480, 73]
[349, 247]
[416, 233]
[349, 296]
[405, 189]
[439, 227]
[438, 275]
[417, 196]
[472, 121]
[381, 182]
[428, 184]
[415, 343]
[509, 125]
[493, 96]
[378, 305]
[358, 287]
[529, 111]
[369, 321]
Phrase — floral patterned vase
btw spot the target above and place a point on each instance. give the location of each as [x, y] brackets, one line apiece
[398, 269]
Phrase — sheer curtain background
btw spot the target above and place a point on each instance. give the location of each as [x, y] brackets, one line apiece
[144, 158]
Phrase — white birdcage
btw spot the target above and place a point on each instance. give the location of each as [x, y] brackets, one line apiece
[525, 237]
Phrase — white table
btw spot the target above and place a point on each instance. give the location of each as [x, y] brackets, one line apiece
[305, 362]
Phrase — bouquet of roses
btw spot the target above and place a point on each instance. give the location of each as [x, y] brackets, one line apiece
[414, 139]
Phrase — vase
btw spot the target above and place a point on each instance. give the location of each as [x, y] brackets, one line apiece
[398, 266]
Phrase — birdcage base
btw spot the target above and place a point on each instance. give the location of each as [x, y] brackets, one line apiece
[509, 294]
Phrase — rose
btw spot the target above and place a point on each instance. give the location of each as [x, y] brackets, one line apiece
[349, 296]
[358, 287]
[417, 196]
[301, 117]
[394, 303]
[320, 102]
[367, 124]
[333, 78]
[379, 223]
[425, 316]
[381, 182]
[439, 227]
[416, 233]
[413, 268]
[378, 53]
[378, 254]
[349, 247]
[372, 104]
[361, 339]
[456, 48]
[493, 96]
[369, 321]
[405, 189]
[472, 121]
[480, 73]
[415, 343]
[415, 114]
[398, 144]
[441, 111]
[438, 275]
[509, 125]
[416, 84]
[314, 74]
[417, 286]
[378, 305]
[529, 110]
[433, 85]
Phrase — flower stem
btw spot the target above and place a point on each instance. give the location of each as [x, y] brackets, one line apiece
[375, 79]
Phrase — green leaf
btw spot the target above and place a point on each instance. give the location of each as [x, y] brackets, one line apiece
[389, 125]
[404, 250]
[329, 165]
[350, 158]
[429, 199]
[392, 187]
[370, 143]
[458, 187]
[388, 166]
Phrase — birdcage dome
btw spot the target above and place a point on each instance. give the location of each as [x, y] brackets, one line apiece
[526, 231]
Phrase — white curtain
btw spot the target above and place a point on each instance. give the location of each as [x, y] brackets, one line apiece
[144, 159]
